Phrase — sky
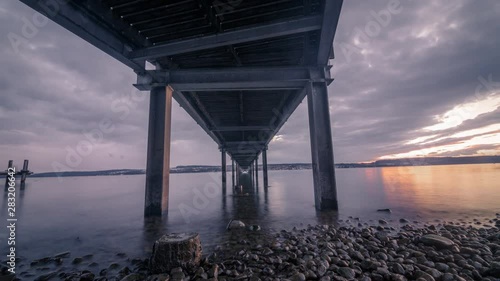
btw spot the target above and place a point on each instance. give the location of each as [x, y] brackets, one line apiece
[412, 78]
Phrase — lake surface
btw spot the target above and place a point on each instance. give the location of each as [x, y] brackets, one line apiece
[104, 215]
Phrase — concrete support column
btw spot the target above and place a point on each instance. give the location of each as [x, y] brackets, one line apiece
[251, 174]
[158, 162]
[232, 170]
[238, 173]
[257, 171]
[325, 190]
[264, 167]
[224, 172]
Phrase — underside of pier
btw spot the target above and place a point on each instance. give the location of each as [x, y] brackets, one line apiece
[238, 67]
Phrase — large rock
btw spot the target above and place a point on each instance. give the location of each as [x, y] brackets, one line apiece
[235, 224]
[176, 250]
[437, 241]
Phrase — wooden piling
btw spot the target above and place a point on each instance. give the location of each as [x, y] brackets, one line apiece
[24, 171]
[10, 165]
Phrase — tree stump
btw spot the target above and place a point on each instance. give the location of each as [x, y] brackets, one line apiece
[175, 250]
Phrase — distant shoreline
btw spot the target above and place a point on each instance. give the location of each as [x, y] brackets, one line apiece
[192, 169]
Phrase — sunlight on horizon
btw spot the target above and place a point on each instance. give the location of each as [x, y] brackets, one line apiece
[490, 139]
[464, 112]
[485, 135]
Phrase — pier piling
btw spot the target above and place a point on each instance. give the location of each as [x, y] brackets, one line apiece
[325, 190]
[158, 161]
[257, 172]
[264, 167]
[224, 172]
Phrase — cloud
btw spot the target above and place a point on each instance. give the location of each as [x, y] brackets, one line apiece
[427, 60]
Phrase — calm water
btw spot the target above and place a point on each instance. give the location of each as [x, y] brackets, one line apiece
[104, 215]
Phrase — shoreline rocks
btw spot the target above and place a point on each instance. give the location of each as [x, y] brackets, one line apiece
[439, 251]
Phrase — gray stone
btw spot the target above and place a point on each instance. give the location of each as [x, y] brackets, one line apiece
[298, 277]
[62, 255]
[398, 277]
[175, 250]
[397, 268]
[346, 272]
[235, 224]
[214, 271]
[133, 277]
[46, 276]
[437, 241]
[159, 277]
[424, 275]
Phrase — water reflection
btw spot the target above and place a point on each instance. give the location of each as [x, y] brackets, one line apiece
[106, 213]
[442, 189]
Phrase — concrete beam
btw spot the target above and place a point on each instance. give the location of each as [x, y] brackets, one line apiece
[90, 28]
[331, 17]
[325, 190]
[229, 38]
[232, 79]
[240, 128]
[158, 160]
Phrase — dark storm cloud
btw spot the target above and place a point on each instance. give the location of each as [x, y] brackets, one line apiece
[424, 62]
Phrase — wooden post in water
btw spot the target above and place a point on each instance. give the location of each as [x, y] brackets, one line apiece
[11, 163]
[24, 171]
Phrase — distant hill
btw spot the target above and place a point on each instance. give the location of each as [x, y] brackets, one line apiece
[290, 166]
[424, 161]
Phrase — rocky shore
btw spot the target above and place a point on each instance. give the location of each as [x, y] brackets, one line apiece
[441, 251]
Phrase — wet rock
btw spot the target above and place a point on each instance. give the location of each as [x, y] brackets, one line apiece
[113, 266]
[62, 255]
[214, 271]
[382, 222]
[133, 277]
[384, 210]
[437, 241]
[77, 261]
[469, 251]
[159, 277]
[87, 276]
[254, 227]
[398, 268]
[298, 277]
[404, 221]
[424, 276]
[174, 250]
[346, 272]
[235, 224]
[46, 276]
